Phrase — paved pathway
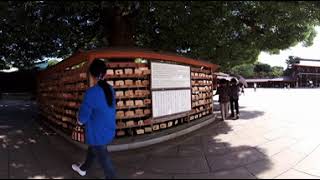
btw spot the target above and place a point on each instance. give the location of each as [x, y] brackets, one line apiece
[277, 136]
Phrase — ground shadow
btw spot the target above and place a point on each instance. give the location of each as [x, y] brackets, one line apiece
[217, 105]
[246, 115]
[36, 152]
[31, 150]
[200, 154]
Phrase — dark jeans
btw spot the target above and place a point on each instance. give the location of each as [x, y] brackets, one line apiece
[101, 153]
[234, 102]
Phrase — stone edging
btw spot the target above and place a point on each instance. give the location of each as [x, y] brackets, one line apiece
[140, 144]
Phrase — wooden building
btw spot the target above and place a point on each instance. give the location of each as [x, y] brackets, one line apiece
[306, 75]
[271, 82]
[154, 91]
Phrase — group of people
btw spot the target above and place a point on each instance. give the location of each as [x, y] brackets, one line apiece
[229, 97]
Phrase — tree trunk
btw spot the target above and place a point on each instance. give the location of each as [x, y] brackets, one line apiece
[121, 30]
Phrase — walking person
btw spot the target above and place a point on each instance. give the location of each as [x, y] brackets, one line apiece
[255, 87]
[97, 114]
[234, 98]
[223, 92]
[242, 88]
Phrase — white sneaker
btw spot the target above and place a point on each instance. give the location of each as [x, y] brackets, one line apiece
[78, 170]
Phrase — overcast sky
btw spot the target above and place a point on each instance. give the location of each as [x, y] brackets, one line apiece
[312, 52]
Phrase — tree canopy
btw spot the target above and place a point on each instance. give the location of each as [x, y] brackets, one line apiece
[227, 33]
[245, 70]
[291, 61]
[257, 70]
[277, 71]
[52, 62]
[262, 68]
[3, 65]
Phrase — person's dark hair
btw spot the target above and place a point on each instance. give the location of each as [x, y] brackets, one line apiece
[233, 80]
[223, 81]
[98, 70]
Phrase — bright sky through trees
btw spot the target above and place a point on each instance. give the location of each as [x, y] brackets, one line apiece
[312, 52]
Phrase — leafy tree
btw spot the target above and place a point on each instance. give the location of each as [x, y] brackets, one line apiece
[52, 62]
[245, 70]
[3, 65]
[291, 61]
[277, 71]
[228, 33]
[257, 70]
[261, 67]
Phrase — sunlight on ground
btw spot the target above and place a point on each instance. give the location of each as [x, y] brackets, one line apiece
[139, 173]
[32, 141]
[17, 165]
[45, 177]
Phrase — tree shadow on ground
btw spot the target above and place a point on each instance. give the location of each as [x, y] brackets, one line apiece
[217, 106]
[244, 114]
[205, 153]
[36, 152]
[30, 150]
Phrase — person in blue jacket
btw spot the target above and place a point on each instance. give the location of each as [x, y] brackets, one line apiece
[97, 113]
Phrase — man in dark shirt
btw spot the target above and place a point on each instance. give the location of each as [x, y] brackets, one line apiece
[234, 98]
[223, 91]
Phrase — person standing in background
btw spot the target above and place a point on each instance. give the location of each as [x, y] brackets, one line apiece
[234, 98]
[223, 92]
[242, 88]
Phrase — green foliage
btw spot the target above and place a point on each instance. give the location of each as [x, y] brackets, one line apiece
[262, 68]
[257, 70]
[52, 62]
[228, 33]
[291, 61]
[277, 71]
[245, 70]
[3, 65]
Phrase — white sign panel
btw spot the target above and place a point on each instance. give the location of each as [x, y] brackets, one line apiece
[169, 75]
[170, 102]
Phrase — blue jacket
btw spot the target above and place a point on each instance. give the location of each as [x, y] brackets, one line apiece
[99, 119]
